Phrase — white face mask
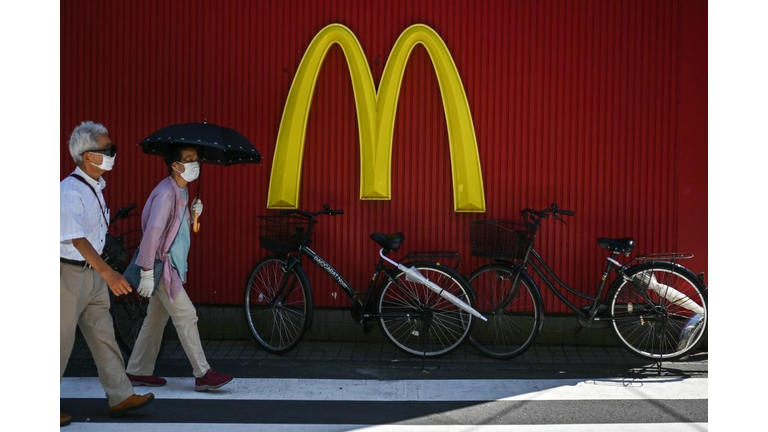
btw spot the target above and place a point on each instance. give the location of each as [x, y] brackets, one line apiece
[191, 171]
[107, 162]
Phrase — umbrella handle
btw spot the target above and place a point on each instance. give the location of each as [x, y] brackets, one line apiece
[196, 224]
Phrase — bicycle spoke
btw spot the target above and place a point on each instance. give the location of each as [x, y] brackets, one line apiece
[658, 329]
[278, 308]
[436, 326]
[511, 311]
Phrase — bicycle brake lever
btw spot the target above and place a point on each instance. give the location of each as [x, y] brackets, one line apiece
[560, 219]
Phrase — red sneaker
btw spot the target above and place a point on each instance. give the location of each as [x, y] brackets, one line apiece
[211, 380]
[149, 381]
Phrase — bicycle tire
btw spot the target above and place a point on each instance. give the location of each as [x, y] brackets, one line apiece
[278, 325]
[663, 326]
[420, 322]
[509, 332]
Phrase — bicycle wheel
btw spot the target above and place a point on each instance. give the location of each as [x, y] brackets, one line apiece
[662, 314]
[420, 322]
[515, 314]
[278, 305]
[128, 313]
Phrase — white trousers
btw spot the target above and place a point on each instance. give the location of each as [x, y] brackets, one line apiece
[184, 317]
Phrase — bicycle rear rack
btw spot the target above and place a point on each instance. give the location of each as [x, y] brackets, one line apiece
[669, 256]
[453, 258]
[673, 256]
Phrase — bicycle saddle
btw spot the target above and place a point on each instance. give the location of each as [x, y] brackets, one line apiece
[623, 245]
[389, 241]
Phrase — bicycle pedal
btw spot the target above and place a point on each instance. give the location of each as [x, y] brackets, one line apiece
[599, 312]
[357, 310]
[367, 327]
[584, 322]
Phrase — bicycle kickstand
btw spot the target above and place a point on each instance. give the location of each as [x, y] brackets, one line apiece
[422, 333]
[659, 368]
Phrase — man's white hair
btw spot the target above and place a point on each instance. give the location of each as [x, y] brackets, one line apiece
[84, 138]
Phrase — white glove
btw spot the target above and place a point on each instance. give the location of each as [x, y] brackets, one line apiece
[147, 283]
[197, 206]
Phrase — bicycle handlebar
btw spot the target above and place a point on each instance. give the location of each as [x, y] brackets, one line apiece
[123, 213]
[311, 215]
[543, 214]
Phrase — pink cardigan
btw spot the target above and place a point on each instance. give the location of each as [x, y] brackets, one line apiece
[160, 223]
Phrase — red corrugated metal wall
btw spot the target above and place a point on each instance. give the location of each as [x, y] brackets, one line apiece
[573, 102]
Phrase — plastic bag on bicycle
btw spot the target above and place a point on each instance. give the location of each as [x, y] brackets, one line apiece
[647, 280]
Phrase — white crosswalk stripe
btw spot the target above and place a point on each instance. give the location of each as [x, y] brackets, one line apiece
[325, 405]
[415, 390]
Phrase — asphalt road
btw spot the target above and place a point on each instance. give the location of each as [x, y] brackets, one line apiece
[283, 394]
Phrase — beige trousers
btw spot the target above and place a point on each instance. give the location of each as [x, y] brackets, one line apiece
[85, 303]
[184, 316]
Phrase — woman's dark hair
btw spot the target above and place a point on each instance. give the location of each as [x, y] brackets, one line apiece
[174, 154]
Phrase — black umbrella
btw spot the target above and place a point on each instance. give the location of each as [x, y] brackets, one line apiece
[217, 145]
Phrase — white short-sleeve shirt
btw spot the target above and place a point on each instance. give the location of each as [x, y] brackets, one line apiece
[81, 215]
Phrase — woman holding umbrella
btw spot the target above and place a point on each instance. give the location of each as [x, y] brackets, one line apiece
[165, 223]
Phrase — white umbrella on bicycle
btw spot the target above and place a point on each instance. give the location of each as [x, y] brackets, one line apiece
[413, 275]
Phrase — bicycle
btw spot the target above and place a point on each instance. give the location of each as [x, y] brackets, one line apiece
[128, 310]
[423, 307]
[655, 307]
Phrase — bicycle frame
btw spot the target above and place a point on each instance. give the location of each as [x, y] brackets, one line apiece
[329, 269]
[550, 278]
[343, 283]
[547, 274]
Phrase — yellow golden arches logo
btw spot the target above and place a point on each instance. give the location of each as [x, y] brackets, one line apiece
[376, 118]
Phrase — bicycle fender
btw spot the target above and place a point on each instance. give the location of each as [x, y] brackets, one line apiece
[650, 264]
[529, 278]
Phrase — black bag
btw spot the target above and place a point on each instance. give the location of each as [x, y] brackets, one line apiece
[114, 253]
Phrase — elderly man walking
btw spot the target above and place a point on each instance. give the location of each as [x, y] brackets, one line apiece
[84, 275]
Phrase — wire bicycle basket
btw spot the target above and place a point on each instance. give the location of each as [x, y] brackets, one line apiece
[283, 233]
[498, 239]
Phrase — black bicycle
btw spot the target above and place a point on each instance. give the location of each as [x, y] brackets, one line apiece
[423, 307]
[128, 310]
[656, 307]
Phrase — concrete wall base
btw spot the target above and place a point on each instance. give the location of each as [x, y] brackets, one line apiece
[228, 322]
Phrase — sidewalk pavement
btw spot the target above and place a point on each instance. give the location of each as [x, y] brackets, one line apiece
[315, 359]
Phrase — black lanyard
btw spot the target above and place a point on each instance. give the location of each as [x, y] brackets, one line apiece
[103, 213]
